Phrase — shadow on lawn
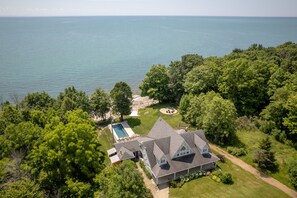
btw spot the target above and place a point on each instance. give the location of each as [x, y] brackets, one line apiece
[162, 105]
[133, 122]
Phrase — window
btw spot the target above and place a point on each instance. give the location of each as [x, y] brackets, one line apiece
[163, 161]
[183, 148]
[205, 150]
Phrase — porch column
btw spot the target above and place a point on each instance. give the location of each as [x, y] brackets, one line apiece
[201, 167]
[174, 177]
[188, 170]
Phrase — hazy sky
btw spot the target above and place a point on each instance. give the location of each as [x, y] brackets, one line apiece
[148, 7]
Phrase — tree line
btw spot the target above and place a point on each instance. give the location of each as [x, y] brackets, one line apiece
[212, 92]
[49, 147]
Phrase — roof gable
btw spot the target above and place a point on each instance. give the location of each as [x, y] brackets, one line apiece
[125, 154]
[176, 141]
[199, 142]
[161, 129]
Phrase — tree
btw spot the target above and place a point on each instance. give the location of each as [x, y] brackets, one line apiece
[100, 103]
[264, 157]
[69, 151]
[212, 113]
[39, 101]
[121, 96]
[219, 120]
[24, 188]
[203, 79]
[11, 115]
[291, 120]
[177, 72]
[20, 137]
[74, 99]
[121, 181]
[156, 84]
[293, 173]
[244, 82]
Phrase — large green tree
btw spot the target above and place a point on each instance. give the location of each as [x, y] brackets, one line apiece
[244, 82]
[100, 102]
[212, 113]
[121, 181]
[177, 72]
[219, 120]
[38, 101]
[24, 188]
[20, 137]
[68, 151]
[72, 99]
[291, 120]
[156, 84]
[203, 79]
[121, 96]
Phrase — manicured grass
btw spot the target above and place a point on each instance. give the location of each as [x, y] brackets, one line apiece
[283, 153]
[106, 141]
[245, 185]
[148, 116]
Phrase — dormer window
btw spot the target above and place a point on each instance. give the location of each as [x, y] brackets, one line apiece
[184, 149]
[205, 150]
[162, 161]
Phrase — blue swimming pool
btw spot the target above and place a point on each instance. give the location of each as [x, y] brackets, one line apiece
[120, 131]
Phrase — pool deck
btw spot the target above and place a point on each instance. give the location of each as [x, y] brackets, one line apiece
[129, 131]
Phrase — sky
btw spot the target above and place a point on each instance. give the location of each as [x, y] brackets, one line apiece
[268, 8]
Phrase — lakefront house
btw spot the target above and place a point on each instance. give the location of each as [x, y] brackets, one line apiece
[167, 153]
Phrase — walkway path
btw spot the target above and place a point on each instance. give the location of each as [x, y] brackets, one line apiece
[161, 192]
[255, 172]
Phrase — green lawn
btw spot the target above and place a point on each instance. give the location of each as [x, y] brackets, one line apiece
[283, 153]
[106, 141]
[148, 116]
[245, 185]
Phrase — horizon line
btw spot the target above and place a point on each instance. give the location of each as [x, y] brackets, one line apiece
[33, 16]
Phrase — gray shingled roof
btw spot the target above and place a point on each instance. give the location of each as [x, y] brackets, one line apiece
[125, 154]
[157, 152]
[175, 143]
[199, 142]
[130, 145]
[161, 129]
[181, 163]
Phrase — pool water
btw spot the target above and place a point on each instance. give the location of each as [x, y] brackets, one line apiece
[120, 131]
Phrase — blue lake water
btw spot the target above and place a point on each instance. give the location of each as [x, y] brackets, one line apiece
[51, 53]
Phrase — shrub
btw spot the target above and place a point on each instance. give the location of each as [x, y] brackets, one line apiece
[279, 135]
[227, 178]
[188, 177]
[220, 176]
[221, 157]
[267, 126]
[236, 151]
[245, 123]
[293, 173]
[173, 183]
[146, 172]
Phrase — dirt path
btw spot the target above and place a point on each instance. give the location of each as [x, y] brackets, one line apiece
[161, 192]
[255, 172]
